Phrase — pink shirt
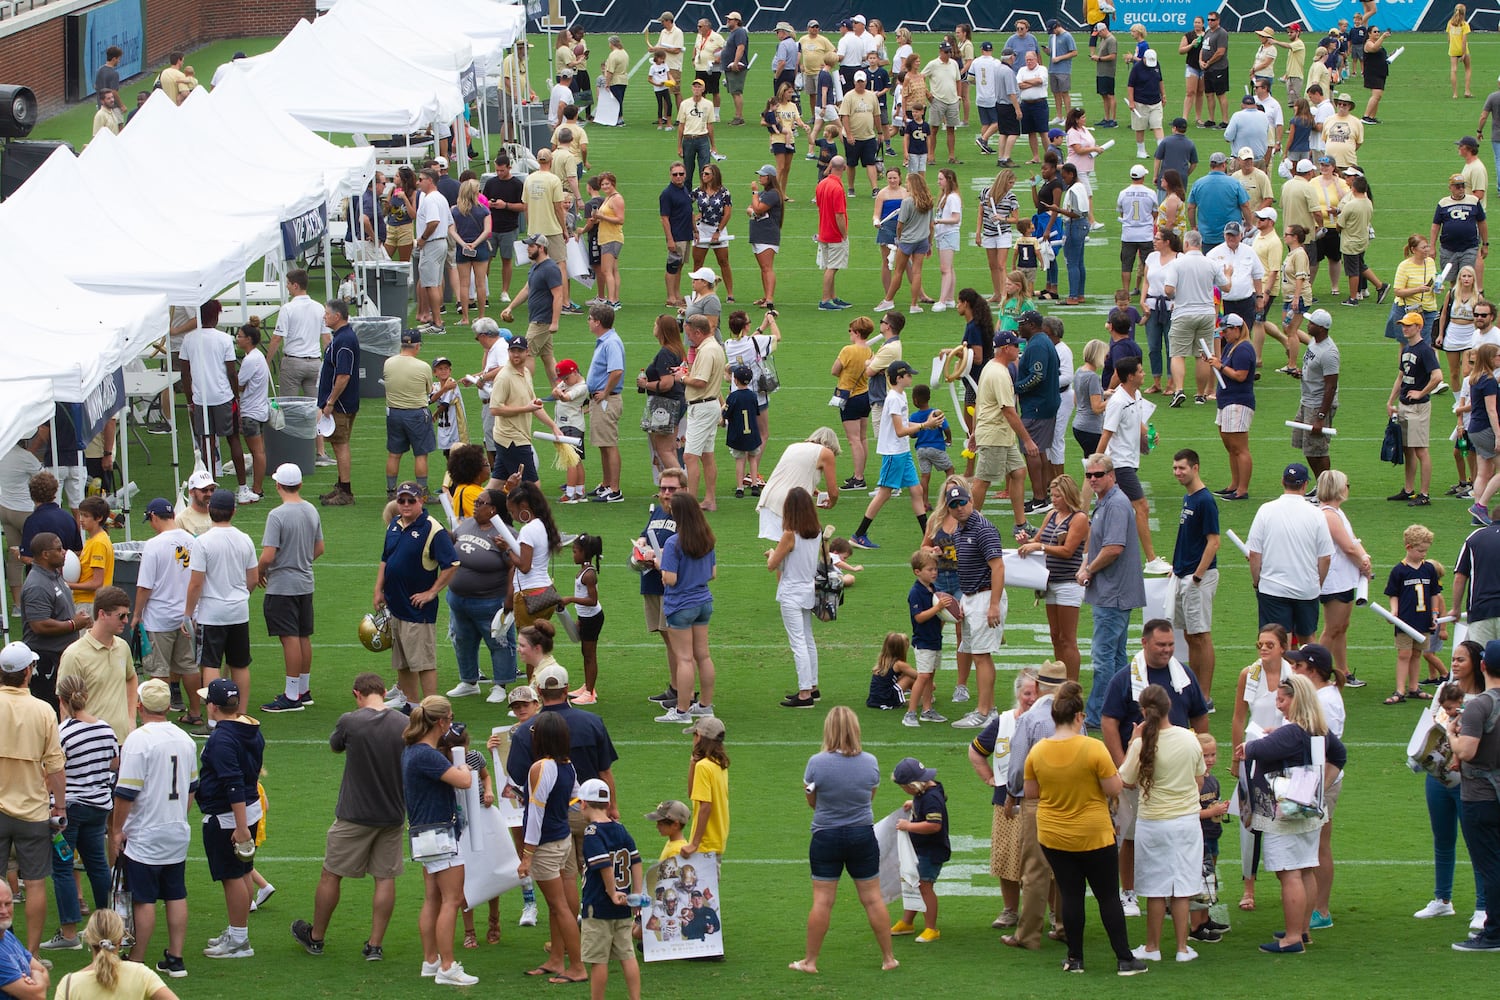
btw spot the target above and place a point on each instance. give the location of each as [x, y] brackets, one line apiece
[1083, 163]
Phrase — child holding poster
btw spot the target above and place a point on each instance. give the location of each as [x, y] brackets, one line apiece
[613, 870]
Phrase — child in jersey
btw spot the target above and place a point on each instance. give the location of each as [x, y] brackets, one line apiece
[449, 420]
[914, 142]
[928, 829]
[742, 419]
[1412, 588]
[1028, 251]
[613, 871]
[572, 394]
[587, 550]
[1212, 809]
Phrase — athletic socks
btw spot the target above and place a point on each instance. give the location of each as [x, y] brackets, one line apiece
[922, 521]
[293, 689]
[304, 684]
[864, 526]
[390, 483]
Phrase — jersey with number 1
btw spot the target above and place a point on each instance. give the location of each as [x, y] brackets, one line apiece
[158, 773]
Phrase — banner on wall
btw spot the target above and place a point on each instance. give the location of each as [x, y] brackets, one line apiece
[89, 35]
[683, 920]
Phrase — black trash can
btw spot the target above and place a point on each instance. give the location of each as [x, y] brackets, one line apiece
[296, 441]
[379, 339]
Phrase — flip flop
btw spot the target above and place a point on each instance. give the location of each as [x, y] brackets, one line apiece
[567, 980]
[1396, 698]
[542, 970]
[1247, 902]
[797, 966]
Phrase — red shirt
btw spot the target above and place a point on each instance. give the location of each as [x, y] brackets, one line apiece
[832, 203]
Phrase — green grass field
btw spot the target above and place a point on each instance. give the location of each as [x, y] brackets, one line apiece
[1382, 843]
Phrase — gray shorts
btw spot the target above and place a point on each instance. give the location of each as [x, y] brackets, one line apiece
[1186, 331]
[1193, 611]
[505, 245]
[432, 261]
[1061, 83]
[1129, 481]
[32, 843]
[220, 420]
[942, 114]
[251, 428]
[735, 82]
[299, 376]
[1316, 445]
[933, 458]
[611, 249]
[1042, 431]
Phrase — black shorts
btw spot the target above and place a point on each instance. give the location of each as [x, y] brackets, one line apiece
[150, 884]
[1297, 616]
[1374, 82]
[862, 152]
[218, 644]
[1010, 122]
[510, 457]
[289, 615]
[710, 81]
[1104, 86]
[589, 627]
[1131, 252]
[1328, 247]
[1243, 308]
[1216, 83]
[1354, 264]
[218, 847]
[1129, 481]
[787, 77]
[856, 407]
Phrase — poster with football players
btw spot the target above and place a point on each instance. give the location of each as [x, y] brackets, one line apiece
[683, 920]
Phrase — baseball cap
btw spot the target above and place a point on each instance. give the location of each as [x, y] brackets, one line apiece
[1321, 317]
[523, 693]
[410, 488]
[1054, 24]
[411, 336]
[1318, 657]
[517, 344]
[1469, 141]
[705, 274]
[860, 76]
[1247, 99]
[1150, 58]
[1137, 172]
[1055, 133]
[1006, 338]
[1179, 123]
[1294, 26]
[1266, 213]
[857, 19]
[1491, 652]
[221, 500]
[956, 496]
[909, 770]
[709, 727]
[287, 474]
[1029, 316]
[200, 480]
[219, 691]
[987, 47]
[766, 171]
[441, 162]
[440, 361]
[671, 809]
[155, 695]
[16, 657]
[899, 368]
[1305, 166]
[945, 47]
[565, 71]
[594, 790]
[1245, 153]
[1218, 159]
[742, 373]
[1458, 179]
[735, 15]
[812, 22]
[1233, 319]
[567, 366]
[160, 507]
[1294, 474]
[1411, 319]
[1352, 171]
[1233, 229]
[846, 23]
[552, 678]
[536, 239]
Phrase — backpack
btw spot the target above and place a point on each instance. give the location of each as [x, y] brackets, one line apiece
[828, 586]
[1468, 770]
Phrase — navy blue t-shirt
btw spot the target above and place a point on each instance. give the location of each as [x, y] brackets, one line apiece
[51, 517]
[405, 576]
[1118, 351]
[1414, 588]
[928, 806]
[1198, 520]
[916, 136]
[880, 83]
[1458, 224]
[676, 206]
[1208, 795]
[925, 634]
[1187, 704]
[742, 417]
[429, 799]
[544, 276]
[975, 337]
[1479, 416]
[607, 845]
[660, 526]
[1418, 362]
[1240, 358]
[340, 358]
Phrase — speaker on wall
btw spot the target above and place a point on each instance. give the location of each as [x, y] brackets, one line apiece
[17, 111]
[20, 159]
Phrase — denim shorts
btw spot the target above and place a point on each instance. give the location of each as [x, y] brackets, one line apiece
[834, 851]
[686, 618]
[928, 869]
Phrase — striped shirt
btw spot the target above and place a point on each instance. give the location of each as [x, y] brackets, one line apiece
[89, 750]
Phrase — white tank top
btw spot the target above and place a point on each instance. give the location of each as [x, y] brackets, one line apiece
[581, 592]
[1342, 575]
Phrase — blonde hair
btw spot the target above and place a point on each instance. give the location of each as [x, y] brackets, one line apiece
[73, 693]
[892, 651]
[1020, 278]
[1415, 536]
[1332, 485]
[1306, 711]
[425, 718]
[1458, 15]
[1093, 353]
[1068, 487]
[841, 732]
[468, 195]
[921, 196]
[103, 935]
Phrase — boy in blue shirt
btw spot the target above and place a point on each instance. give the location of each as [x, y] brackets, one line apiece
[742, 418]
[932, 442]
[914, 144]
[827, 147]
[613, 868]
[926, 604]
[1412, 587]
[880, 86]
[928, 829]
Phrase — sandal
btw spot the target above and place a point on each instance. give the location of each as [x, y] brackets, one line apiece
[1396, 698]
[1419, 695]
[759, 303]
[470, 940]
[1247, 902]
[493, 935]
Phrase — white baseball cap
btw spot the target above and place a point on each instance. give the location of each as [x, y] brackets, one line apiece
[1266, 213]
[16, 657]
[1246, 153]
[1137, 172]
[288, 474]
[1321, 317]
[200, 480]
[1150, 58]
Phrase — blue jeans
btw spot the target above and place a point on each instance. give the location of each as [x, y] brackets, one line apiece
[1075, 234]
[695, 156]
[1481, 822]
[1442, 812]
[469, 623]
[87, 828]
[1393, 325]
[1111, 626]
[1158, 323]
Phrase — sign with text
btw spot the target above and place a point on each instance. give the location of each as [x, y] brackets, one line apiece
[103, 403]
[304, 231]
[90, 35]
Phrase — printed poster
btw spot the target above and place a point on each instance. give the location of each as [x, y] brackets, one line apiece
[683, 920]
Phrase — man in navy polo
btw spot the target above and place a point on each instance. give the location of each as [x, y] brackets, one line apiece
[416, 563]
[676, 206]
[981, 578]
[338, 395]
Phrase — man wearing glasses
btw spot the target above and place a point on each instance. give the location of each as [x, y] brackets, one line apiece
[1214, 61]
[416, 563]
[660, 526]
[1112, 578]
[51, 622]
[101, 659]
[676, 209]
[981, 578]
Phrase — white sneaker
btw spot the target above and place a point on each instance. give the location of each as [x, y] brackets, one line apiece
[246, 495]
[225, 948]
[1187, 956]
[262, 894]
[915, 309]
[498, 695]
[430, 969]
[1157, 567]
[960, 693]
[1477, 921]
[698, 711]
[505, 296]
[1434, 908]
[221, 936]
[1096, 227]
[395, 699]
[1128, 903]
[1147, 956]
[971, 721]
[910, 719]
[454, 975]
[673, 715]
[464, 690]
[885, 305]
[938, 307]
[528, 915]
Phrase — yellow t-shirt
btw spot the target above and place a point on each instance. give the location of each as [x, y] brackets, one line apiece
[694, 116]
[616, 68]
[408, 382]
[1410, 273]
[136, 980]
[192, 522]
[1269, 248]
[543, 190]
[1074, 812]
[711, 785]
[98, 553]
[512, 388]
[672, 848]
[565, 163]
[1295, 265]
[813, 51]
[1457, 34]
[994, 393]
[854, 357]
[30, 728]
[1475, 177]
[706, 51]
[1174, 783]
[1296, 57]
[861, 110]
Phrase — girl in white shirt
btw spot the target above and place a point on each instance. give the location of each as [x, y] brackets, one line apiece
[948, 219]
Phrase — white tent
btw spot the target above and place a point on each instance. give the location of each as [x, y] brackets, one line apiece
[365, 27]
[492, 27]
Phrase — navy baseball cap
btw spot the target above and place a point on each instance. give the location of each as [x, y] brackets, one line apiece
[909, 771]
[160, 507]
[987, 47]
[219, 691]
[221, 500]
[1294, 474]
[1492, 652]
[1006, 338]
[956, 496]
[1319, 658]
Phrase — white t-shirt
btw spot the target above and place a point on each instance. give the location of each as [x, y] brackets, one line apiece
[950, 205]
[1274, 114]
[534, 533]
[223, 554]
[986, 73]
[300, 326]
[1291, 535]
[658, 74]
[1125, 417]
[854, 49]
[434, 207]
[1078, 200]
[1333, 710]
[207, 351]
[255, 387]
[561, 93]
[887, 441]
[164, 571]
[17, 467]
[1032, 83]
[497, 357]
[1321, 114]
[159, 766]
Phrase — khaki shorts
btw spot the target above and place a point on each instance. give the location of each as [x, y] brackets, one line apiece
[655, 620]
[1416, 424]
[1405, 642]
[557, 249]
[833, 256]
[1186, 331]
[353, 850]
[413, 645]
[994, 462]
[702, 427]
[604, 422]
[979, 637]
[1193, 611]
[171, 653]
[539, 339]
[552, 859]
[928, 660]
[1125, 816]
[606, 941]
[943, 114]
[403, 235]
[1312, 445]
[1144, 116]
[343, 426]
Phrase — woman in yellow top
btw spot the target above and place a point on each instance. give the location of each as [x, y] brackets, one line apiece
[468, 474]
[108, 976]
[611, 232]
[1165, 762]
[1073, 778]
[1413, 285]
[97, 560]
[1458, 51]
[853, 396]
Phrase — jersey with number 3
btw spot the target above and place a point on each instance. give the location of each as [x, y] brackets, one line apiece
[158, 774]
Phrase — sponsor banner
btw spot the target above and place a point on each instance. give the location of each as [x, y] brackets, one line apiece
[304, 231]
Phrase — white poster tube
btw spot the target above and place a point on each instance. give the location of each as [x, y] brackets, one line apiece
[469, 798]
[447, 502]
[1362, 591]
[1382, 612]
[1238, 543]
[506, 533]
[1207, 356]
[1329, 431]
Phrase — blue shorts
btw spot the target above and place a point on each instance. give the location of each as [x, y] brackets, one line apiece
[947, 581]
[856, 407]
[510, 457]
[989, 115]
[928, 869]
[218, 847]
[1292, 308]
[854, 849]
[922, 247]
[686, 618]
[1299, 617]
[154, 883]
[897, 472]
[1034, 117]
[409, 430]
[863, 152]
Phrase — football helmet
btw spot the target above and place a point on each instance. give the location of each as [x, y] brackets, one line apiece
[375, 631]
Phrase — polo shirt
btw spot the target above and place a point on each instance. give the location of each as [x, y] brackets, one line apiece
[407, 573]
[300, 326]
[1119, 585]
[44, 596]
[676, 206]
[50, 517]
[341, 358]
[589, 745]
[976, 542]
[408, 382]
[104, 671]
[609, 356]
[30, 736]
[1291, 535]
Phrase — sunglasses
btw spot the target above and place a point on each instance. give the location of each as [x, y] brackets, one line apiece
[1096, 475]
[404, 499]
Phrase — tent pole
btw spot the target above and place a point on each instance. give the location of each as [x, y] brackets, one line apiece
[171, 415]
[122, 492]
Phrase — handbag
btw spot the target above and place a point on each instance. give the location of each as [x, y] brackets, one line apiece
[541, 600]
[278, 418]
[660, 414]
[433, 842]
[769, 381]
[121, 901]
[1298, 790]
[1391, 449]
[828, 586]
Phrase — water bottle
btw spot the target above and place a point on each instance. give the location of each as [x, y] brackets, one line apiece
[1150, 437]
[638, 899]
[60, 845]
